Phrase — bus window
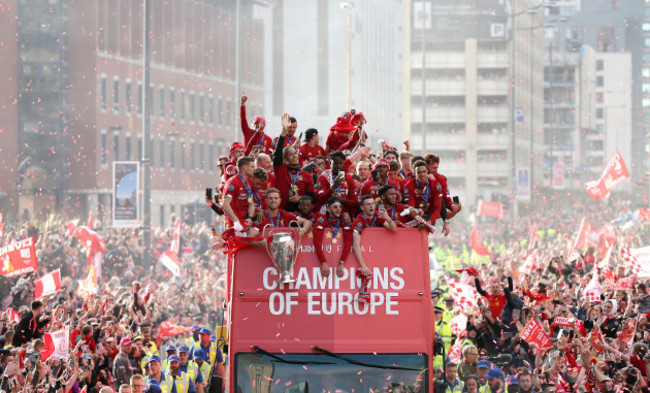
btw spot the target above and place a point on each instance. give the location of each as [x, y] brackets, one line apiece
[323, 373]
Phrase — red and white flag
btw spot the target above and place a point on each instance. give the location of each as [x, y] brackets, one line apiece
[57, 345]
[593, 290]
[534, 335]
[13, 316]
[489, 209]
[72, 225]
[530, 264]
[169, 329]
[584, 232]
[465, 296]
[88, 286]
[638, 260]
[48, 284]
[458, 324]
[169, 258]
[614, 174]
[18, 258]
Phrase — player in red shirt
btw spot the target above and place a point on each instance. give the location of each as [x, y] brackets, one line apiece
[344, 135]
[433, 162]
[339, 233]
[378, 179]
[425, 193]
[230, 167]
[289, 178]
[290, 137]
[277, 217]
[398, 212]
[310, 150]
[238, 199]
[368, 219]
[254, 136]
[334, 182]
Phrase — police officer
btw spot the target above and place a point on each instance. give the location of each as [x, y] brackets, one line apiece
[171, 350]
[203, 365]
[156, 373]
[443, 332]
[190, 368]
[448, 314]
[179, 381]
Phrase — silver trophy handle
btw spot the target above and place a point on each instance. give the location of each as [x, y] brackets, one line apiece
[297, 248]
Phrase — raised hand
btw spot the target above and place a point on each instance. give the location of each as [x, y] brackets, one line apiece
[243, 98]
[286, 123]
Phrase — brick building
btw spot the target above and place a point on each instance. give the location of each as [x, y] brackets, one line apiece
[73, 103]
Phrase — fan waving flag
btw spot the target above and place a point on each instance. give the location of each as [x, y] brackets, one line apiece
[48, 284]
[169, 258]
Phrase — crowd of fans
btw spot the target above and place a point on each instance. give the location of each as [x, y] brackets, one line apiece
[598, 345]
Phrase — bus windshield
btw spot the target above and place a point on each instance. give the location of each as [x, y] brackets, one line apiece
[325, 373]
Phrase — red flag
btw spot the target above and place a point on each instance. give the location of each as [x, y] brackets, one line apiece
[471, 270]
[476, 244]
[13, 316]
[584, 232]
[614, 174]
[606, 238]
[489, 209]
[91, 220]
[169, 329]
[169, 258]
[57, 345]
[534, 335]
[71, 225]
[18, 258]
[48, 284]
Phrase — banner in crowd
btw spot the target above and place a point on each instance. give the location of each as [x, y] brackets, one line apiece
[638, 259]
[614, 174]
[125, 194]
[169, 329]
[88, 287]
[584, 232]
[489, 209]
[523, 184]
[534, 335]
[57, 344]
[18, 258]
[530, 264]
[169, 258]
[48, 284]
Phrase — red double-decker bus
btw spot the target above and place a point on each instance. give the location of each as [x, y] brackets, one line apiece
[314, 336]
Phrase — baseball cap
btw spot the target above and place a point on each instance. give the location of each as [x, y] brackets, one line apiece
[483, 364]
[174, 358]
[199, 354]
[495, 373]
[438, 309]
[170, 348]
[196, 328]
[183, 349]
[154, 358]
[152, 386]
[449, 300]
[137, 338]
[205, 331]
[125, 341]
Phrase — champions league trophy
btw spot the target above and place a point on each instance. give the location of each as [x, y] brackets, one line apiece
[283, 251]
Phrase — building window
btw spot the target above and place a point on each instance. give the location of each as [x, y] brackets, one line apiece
[127, 147]
[152, 154]
[202, 155]
[162, 215]
[599, 65]
[192, 155]
[600, 97]
[645, 103]
[104, 147]
[211, 110]
[645, 72]
[103, 93]
[161, 101]
[220, 111]
[600, 81]
[211, 157]
[152, 105]
[139, 147]
[181, 151]
[172, 152]
[161, 153]
[645, 87]
[201, 108]
[228, 116]
[172, 103]
[116, 94]
[647, 42]
[116, 146]
[128, 99]
[599, 113]
[138, 104]
[192, 106]
[181, 105]
[645, 26]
